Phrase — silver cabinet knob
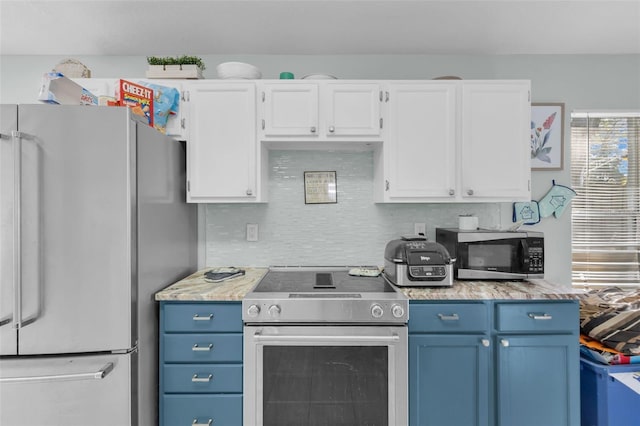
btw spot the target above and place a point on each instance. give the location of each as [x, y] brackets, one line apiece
[505, 343]
[313, 129]
[332, 129]
[249, 192]
[485, 342]
[469, 191]
[452, 192]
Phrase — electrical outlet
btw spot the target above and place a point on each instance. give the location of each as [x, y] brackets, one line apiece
[252, 232]
[420, 229]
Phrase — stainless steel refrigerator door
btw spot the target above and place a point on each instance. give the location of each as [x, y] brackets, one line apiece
[78, 246]
[75, 391]
[8, 332]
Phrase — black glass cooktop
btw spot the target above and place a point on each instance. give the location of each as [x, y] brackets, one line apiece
[295, 281]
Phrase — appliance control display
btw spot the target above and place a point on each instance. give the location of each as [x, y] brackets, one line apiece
[425, 271]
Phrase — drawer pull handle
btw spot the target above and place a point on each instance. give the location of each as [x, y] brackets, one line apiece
[197, 317]
[540, 316]
[452, 317]
[197, 348]
[196, 379]
[195, 423]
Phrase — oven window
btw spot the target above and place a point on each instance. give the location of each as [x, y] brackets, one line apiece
[490, 255]
[325, 385]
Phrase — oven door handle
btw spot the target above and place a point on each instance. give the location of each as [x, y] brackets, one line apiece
[258, 336]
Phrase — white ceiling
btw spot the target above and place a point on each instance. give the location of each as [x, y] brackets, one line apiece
[208, 27]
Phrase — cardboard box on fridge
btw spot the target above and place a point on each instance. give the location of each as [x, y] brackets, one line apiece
[137, 97]
[58, 89]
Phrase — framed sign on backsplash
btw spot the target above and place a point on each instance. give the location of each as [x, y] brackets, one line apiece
[320, 188]
[547, 136]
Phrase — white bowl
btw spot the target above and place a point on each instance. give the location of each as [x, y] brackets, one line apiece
[238, 70]
[319, 77]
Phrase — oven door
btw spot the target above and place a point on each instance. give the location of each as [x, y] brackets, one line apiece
[325, 375]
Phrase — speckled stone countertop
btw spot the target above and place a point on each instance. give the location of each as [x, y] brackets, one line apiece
[195, 288]
[499, 290]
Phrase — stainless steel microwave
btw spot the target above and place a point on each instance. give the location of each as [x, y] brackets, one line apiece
[494, 255]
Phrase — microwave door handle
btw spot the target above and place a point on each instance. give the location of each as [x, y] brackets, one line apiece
[524, 246]
[17, 228]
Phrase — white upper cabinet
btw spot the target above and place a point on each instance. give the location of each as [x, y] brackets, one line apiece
[352, 109]
[455, 141]
[320, 111]
[495, 161]
[290, 109]
[223, 158]
[420, 148]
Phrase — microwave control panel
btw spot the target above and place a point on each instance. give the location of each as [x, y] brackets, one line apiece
[536, 255]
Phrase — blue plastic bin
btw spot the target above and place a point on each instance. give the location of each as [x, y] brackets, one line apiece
[604, 401]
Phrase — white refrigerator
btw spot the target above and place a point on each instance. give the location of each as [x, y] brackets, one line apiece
[93, 222]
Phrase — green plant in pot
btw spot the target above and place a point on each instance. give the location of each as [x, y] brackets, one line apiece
[177, 60]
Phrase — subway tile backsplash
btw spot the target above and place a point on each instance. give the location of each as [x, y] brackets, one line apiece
[352, 232]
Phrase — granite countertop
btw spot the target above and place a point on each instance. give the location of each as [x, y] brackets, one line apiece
[499, 290]
[195, 288]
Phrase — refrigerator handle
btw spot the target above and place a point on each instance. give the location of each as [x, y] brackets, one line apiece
[94, 375]
[17, 229]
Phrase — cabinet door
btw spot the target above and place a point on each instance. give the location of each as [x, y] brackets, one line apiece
[495, 153]
[352, 110]
[420, 148]
[290, 109]
[537, 380]
[222, 148]
[449, 380]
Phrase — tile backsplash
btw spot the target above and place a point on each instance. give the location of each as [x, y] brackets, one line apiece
[354, 231]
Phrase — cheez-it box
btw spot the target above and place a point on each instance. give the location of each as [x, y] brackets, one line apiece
[138, 98]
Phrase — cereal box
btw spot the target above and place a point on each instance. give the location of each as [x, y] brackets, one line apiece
[137, 97]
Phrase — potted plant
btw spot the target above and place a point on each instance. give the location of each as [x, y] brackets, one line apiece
[175, 67]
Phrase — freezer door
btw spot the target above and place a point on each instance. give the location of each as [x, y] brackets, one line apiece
[86, 390]
[8, 333]
[77, 261]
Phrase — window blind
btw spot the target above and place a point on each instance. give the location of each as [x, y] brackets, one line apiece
[605, 219]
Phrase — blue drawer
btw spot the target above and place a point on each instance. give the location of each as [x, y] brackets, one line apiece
[448, 317]
[202, 348]
[542, 316]
[202, 317]
[202, 378]
[186, 410]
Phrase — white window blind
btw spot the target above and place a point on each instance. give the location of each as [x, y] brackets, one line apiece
[605, 169]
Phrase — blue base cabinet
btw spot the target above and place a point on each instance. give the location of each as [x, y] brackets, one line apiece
[200, 363]
[494, 363]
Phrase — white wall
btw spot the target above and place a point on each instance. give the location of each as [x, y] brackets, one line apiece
[580, 81]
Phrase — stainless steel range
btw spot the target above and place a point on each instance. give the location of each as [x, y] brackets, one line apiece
[322, 347]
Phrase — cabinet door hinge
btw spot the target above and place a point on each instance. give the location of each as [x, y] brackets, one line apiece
[381, 123]
[188, 186]
[529, 95]
[263, 124]
[386, 185]
[263, 96]
[186, 96]
[381, 96]
[183, 123]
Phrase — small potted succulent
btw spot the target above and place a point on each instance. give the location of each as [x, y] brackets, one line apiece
[175, 67]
